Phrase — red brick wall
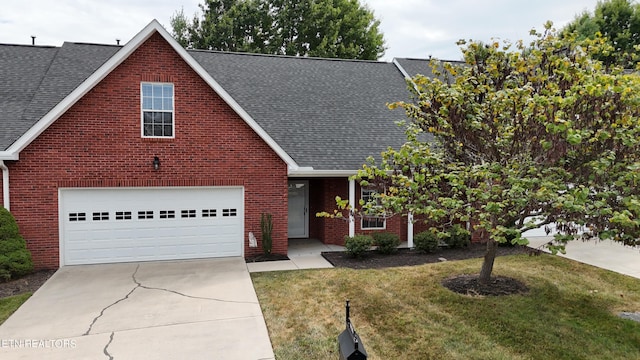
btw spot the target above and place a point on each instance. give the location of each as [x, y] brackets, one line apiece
[98, 143]
[332, 231]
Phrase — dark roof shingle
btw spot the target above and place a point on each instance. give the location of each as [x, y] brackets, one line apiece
[325, 113]
[38, 78]
[328, 114]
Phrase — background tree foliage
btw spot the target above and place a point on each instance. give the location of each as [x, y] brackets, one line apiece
[323, 28]
[525, 134]
[619, 22]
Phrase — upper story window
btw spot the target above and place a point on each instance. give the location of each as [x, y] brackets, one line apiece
[157, 110]
[372, 222]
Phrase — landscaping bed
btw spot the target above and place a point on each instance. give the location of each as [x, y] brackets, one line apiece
[408, 257]
[26, 284]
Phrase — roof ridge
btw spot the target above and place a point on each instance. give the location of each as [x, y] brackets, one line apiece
[286, 56]
[30, 46]
[428, 59]
[90, 43]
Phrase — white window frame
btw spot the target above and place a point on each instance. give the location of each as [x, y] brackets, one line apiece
[365, 193]
[144, 110]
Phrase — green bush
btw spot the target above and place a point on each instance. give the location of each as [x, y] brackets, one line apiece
[458, 237]
[387, 242]
[15, 259]
[358, 244]
[426, 241]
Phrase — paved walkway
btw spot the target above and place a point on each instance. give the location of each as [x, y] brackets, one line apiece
[605, 254]
[303, 254]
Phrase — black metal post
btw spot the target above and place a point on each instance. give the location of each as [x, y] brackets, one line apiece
[347, 321]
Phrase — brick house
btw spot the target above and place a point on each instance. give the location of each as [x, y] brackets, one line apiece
[148, 151]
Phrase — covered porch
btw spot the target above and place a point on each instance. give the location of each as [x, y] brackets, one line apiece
[309, 195]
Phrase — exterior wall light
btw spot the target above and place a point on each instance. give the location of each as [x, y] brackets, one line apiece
[156, 163]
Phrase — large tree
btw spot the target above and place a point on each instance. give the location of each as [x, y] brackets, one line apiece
[619, 22]
[525, 135]
[325, 28]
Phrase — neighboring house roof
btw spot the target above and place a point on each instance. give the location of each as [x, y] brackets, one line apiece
[324, 114]
[38, 78]
[413, 67]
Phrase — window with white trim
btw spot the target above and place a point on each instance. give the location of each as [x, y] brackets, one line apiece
[157, 110]
[372, 222]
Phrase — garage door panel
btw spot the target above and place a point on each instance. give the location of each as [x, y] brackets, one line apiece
[122, 225]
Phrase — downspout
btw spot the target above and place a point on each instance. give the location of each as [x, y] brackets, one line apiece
[5, 185]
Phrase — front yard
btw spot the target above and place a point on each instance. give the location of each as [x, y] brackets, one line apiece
[570, 312]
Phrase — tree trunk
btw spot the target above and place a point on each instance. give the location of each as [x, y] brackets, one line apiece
[487, 265]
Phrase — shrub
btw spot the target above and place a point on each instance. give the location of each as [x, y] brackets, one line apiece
[458, 237]
[387, 242]
[266, 225]
[426, 241]
[358, 244]
[15, 259]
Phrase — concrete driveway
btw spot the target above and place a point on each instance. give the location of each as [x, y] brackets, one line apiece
[198, 309]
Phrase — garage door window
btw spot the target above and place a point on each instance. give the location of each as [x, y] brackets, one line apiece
[167, 214]
[208, 213]
[188, 213]
[229, 212]
[98, 216]
[123, 215]
[77, 216]
[145, 215]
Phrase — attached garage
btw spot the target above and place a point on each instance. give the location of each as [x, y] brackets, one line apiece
[108, 225]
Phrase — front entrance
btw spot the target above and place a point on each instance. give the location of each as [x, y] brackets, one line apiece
[298, 209]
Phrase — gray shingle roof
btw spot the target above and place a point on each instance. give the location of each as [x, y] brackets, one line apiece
[35, 79]
[21, 71]
[325, 113]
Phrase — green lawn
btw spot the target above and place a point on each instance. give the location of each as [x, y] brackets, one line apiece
[405, 313]
[10, 304]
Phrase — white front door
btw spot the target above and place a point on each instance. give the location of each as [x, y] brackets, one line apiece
[298, 209]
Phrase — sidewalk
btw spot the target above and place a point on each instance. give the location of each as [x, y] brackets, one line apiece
[303, 254]
[605, 254]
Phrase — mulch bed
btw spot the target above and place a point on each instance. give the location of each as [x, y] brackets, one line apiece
[28, 283]
[499, 285]
[463, 284]
[407, 257]
[266, 257]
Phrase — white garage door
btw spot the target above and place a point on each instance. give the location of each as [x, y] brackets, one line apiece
[143, 224]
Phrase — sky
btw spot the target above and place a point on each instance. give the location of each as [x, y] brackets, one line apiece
[412, 28]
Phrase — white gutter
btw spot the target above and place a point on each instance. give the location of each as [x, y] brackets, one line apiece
[5, 185]
[309, 172]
